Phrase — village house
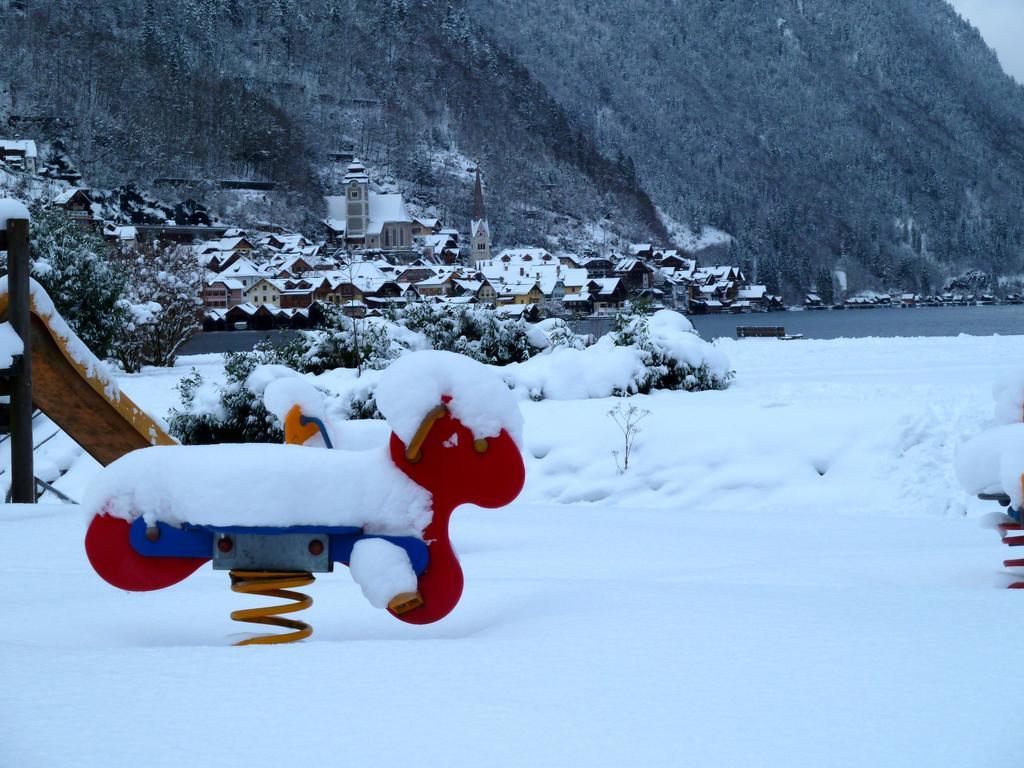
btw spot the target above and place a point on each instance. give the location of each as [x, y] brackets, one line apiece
[442, 248]
[242, 269]
[525, 291]
[606, 293]
[757, 296]
[222, 293]
[263, 291]
[444, 284]
[486, 294]
[120, 235]
[217, 255]
[643, 251]
[599, 266]
[77, 204]
[636, 275]
[19, 154]
[424, 227]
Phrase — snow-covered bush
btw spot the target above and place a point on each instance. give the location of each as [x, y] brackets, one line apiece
[477, 332]
[228, 414]
[641, 354]
[674, 356]
[342, 342]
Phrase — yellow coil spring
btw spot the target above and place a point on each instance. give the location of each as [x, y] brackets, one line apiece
[273, 584]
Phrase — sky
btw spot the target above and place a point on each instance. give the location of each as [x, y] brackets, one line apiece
[1002, 24]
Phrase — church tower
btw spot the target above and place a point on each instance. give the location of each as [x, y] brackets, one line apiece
[357, 203]
[479, 231]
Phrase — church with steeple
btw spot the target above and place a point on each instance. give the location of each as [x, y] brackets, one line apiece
[479, 231]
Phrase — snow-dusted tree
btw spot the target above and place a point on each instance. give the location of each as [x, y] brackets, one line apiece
[161, 304]
[87, 286]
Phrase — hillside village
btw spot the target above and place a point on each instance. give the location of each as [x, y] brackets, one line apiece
[374, 253]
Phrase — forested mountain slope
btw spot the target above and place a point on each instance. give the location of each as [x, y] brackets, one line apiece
[879, 135]
[266, 90]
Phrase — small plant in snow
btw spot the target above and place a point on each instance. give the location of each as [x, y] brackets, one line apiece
[628, 420]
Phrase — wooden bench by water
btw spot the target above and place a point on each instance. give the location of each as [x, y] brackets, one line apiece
[765, 332]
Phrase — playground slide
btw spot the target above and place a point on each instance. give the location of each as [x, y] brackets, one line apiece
[69, 386]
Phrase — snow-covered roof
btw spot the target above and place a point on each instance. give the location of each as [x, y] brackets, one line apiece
[752, 293]
[26, 147]
[65, 197]
[228, 282]
[573, 298]
[519, 256]
[383, 209]
[388, 208]
[243, 268]
[605, 285]
[121, 232]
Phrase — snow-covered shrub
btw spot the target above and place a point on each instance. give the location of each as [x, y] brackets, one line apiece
[552, 333]
[228, 414]
[477, 332]
[674, 356]
[342, 342]
[641, 354]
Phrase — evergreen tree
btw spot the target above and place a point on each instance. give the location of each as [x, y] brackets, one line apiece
[86, 286]
[826, 290]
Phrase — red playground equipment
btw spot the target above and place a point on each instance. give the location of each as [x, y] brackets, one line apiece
[448, 463]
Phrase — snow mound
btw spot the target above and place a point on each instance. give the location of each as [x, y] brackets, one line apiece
[261, 484]
[382, 570]
[417, 382]
[1008, 393]
[598, 371]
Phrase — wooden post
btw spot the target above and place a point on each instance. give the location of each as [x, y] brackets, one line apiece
[23, 486]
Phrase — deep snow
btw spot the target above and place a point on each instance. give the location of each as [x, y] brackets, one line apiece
[789, 575]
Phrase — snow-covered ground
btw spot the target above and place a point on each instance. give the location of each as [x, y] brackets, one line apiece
[788, 575]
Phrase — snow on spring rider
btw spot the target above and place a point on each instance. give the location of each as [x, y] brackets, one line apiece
[273, 515]
[991, 466]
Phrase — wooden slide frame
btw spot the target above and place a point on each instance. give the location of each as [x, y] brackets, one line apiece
[107, 426]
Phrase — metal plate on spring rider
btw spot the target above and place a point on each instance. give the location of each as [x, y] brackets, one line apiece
[272, 552]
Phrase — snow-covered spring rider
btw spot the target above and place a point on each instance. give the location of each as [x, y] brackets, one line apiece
[991, 466]
[275, 514]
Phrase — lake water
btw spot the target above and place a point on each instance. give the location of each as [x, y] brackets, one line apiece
[1005, 320]
[826, 324]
